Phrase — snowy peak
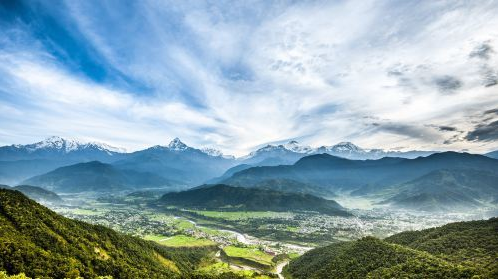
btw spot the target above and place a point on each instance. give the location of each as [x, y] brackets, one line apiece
[177, 145]
[215, 153]
[346, 147]
[296, 147]
[212, 152]
[54, 142]
[63, 145]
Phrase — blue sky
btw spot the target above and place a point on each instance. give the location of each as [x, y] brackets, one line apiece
[238, 74]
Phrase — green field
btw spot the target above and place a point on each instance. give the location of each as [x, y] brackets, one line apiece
[180, 241]
[221, 267]
[249, 253]
[240, 215]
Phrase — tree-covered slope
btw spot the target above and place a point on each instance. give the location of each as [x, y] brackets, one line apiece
[472, 243]
[224, 197]
[40, 243]
[459, 250]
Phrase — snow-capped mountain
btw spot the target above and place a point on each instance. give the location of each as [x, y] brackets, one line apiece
[275, 155]
[176, 161]
[294, 151]
[296, 147]
[56, 148]
[70, 145]
[345, 150]
[179, 162]
[215, 153]
[18, 162]
[177, 145]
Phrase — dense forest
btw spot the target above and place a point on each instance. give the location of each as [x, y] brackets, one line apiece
[42, 244]
[225, 197]
[457, 250]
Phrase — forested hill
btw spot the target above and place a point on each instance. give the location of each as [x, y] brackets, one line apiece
[458, 250]
[38, 242]
[225, 197]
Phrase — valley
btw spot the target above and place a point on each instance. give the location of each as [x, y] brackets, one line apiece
[250, 240]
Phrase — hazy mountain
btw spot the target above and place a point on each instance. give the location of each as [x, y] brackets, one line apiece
[39, 194]
[351, 151]
[447, 190]
[367, 175]
[96, 176]
[13, 172]
[457, 250]
[178, 162]
[224, 197]
[493, 154]
[36, 193]
[42, 244]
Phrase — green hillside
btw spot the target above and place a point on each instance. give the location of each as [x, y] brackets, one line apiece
[40, 243]
[459, 250]
[473, 244]
[229, 198]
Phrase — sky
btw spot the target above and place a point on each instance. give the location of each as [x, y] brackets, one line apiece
[234, 75]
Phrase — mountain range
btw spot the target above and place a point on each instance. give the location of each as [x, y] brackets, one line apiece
[174, 161]
[340, 173]
[447, 180]
[19, 162]
[431, 182]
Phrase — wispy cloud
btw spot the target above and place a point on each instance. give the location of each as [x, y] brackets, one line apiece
[238, 74]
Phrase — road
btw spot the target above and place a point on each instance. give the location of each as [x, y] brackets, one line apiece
[279, 268]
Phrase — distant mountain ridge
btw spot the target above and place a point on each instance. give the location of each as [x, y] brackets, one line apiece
[493, 154]
[96, 176]
[444, 190]
[362, 176]
[347, 150]
[176, 161]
